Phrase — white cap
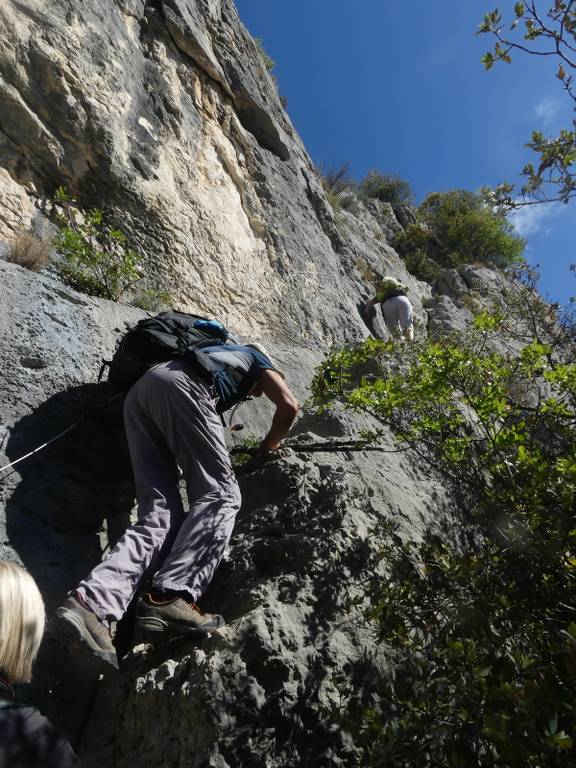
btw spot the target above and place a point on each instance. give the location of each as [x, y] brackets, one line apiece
[261, 348]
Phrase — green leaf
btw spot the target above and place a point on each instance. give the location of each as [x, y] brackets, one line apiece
[571, 631]
[487, 60]
[563, 741]
[560, 740]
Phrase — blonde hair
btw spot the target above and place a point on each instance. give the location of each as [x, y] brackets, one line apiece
[22, 618]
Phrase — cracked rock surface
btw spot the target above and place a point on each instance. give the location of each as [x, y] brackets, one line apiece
[264, 690]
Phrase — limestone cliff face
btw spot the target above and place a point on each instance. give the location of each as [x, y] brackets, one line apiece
[162, 111]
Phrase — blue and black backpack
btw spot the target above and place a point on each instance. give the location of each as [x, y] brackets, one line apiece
[178, 335]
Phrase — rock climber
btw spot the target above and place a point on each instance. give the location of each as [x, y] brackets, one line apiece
[169, 556]
[395, 306]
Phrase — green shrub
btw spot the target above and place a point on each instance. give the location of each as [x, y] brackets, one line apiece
[239, 457]
[414, 238]
[454, 228]
[484, 632]
[386, 187]
[463, 228]
[94, 256]
[413, 246]
[419, 264]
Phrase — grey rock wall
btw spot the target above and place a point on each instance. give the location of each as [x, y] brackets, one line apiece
[265, 690]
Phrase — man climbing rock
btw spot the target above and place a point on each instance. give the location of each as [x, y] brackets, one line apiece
[396, 308]
[173, 426]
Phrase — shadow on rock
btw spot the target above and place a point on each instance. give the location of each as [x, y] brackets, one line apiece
[58, 503]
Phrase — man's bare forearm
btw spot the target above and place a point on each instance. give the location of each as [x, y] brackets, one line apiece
[281, 423]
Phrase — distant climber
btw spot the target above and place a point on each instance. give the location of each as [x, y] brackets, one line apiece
[27, 738]
[169, 556]
[396, 308]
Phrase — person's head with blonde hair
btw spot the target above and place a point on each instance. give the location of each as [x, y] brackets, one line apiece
[22, 619]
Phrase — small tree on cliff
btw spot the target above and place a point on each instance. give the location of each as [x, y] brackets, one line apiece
[95, 257]
[386, 187]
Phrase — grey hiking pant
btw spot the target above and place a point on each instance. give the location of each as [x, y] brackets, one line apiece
[397, 314]
[171, 422]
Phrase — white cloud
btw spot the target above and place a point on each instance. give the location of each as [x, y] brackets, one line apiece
[548, 109]
[535, 218]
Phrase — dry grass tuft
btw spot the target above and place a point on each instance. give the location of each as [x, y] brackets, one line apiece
[30, 251]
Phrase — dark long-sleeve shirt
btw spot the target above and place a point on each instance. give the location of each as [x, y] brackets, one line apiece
[28, 739]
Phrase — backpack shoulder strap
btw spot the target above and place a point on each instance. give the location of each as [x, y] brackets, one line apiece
[11, 704]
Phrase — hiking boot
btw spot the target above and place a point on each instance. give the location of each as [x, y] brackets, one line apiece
[176, 615]
[80, 630]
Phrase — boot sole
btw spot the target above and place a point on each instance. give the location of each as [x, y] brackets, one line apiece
[69, 629]
[156, 625]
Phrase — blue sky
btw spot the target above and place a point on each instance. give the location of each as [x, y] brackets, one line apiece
[399, 87]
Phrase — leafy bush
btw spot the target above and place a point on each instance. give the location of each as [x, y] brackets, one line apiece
[30, 251]
[463, 228]
[414, 238]
[419, 264]
[388, 188]
[413, 246]
[95, 257]
[241, 453]
[458, 227]
[485, 633]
